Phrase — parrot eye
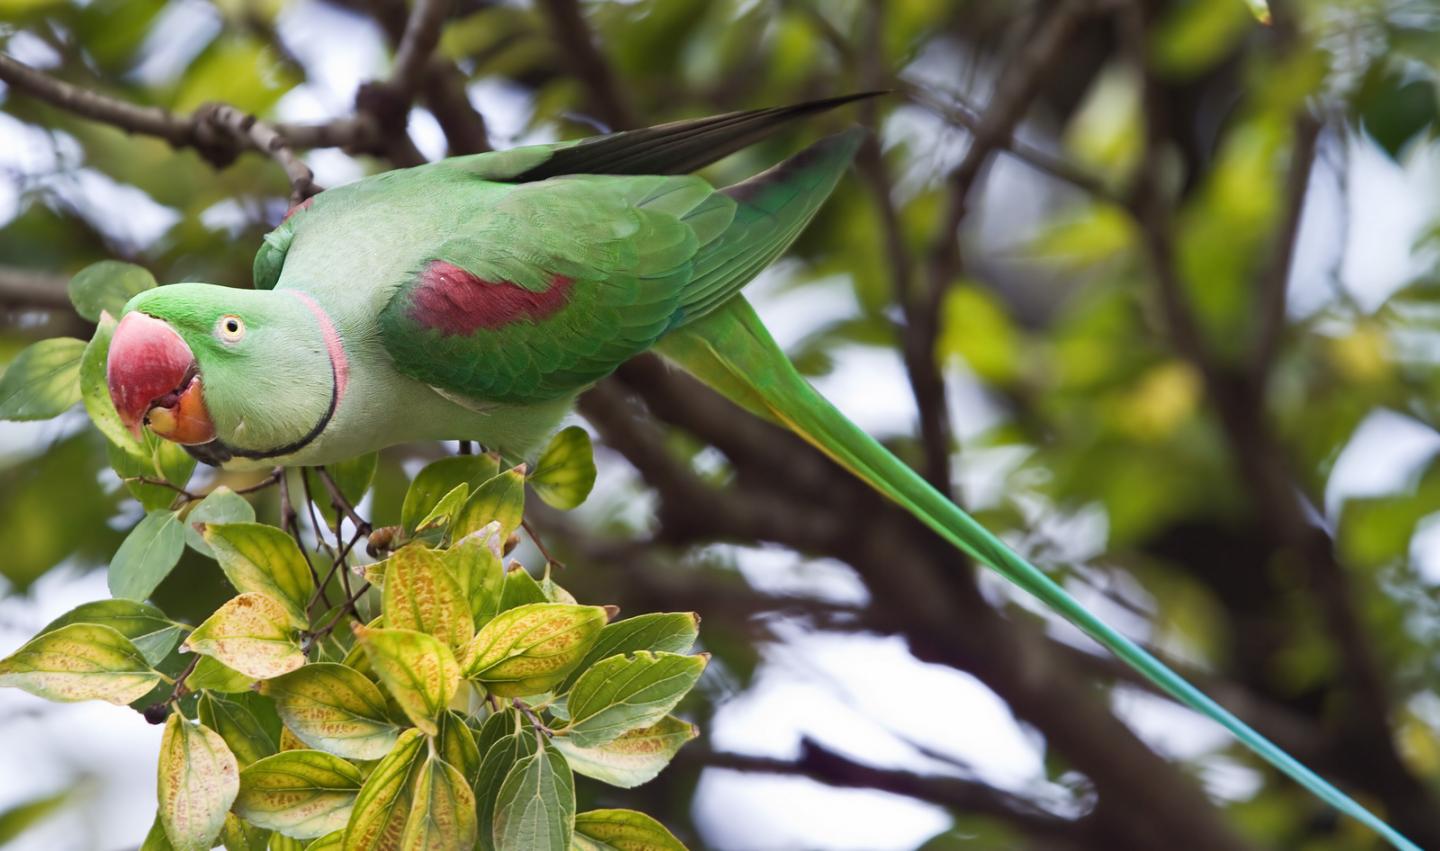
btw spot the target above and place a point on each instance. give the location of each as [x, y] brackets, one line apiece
[231, 329]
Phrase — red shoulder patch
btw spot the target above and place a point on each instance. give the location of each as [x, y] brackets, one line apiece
[450, 300]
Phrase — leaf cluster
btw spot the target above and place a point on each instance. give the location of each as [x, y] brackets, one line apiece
[448, 703]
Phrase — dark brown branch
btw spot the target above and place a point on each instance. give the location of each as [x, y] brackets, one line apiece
[819, 763]
[1274, 289]
[422, 33]
[218, 131]
[587, 64]
[26, 288]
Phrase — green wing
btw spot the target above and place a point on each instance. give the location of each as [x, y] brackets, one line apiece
[679, 147]
[553, 286]
[564, 279]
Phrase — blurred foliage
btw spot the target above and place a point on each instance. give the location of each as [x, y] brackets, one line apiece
[1055, 324]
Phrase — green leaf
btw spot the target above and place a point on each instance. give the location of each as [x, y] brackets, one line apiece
[95, 391]
[211, 674]
[439, 478]
[351, 476]
[301, 794]
[622, 830]
[500, 499]
[157, 459]
[198, 780]
[625, 692]
[23, 816]
[474, 561]
[446, 509]
[456, 745]
[220, 506]
[281, 842]
[80, 662]
[147, 555]
[661, 632]
[529, 649]
[43, 380]
[334, 708]
[153, 634]
[106, 287]
[237, 722]
[421, 595]
[536, 805]
[251, 633]
[442, 816]
[565, 472]
[977, 329]
[510, 740]
[156, 840]
[634, 758]
[236, 835]
[329, 842]
[520, 589]
[383, 806]
[264, 559]
[418, 671]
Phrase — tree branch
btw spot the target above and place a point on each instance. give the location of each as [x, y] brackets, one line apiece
[26, 288]
[819, 763]
[587, 64]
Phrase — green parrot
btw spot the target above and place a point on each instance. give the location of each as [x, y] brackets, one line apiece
[476, 297]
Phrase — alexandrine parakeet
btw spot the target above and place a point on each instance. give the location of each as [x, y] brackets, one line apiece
[475, 297]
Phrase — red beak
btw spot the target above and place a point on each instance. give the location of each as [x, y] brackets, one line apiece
[155, 381]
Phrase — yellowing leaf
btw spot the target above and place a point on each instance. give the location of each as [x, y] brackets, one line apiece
[661, 632]
[257, 557]
[106, 287]
[442, 815]
[440, 478]
[446, 509]
[252, 634]
[377, 821]
[329, 842]
[146, 556]
[634, 758]
[244, 733]
[335, 709]
[455, 744]
[42, 381]
[197, 782]
[622, 830]
[418, 671]
[301, 794]
[421, 595]
[622, 693]
[536, 805]
[220, 506]
[529, 649]
[213, 675]
[153, 634]
[565, 472]
[80, 662]
[501, 499]
[475, 563]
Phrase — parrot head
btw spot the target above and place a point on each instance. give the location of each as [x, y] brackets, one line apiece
[225, 372]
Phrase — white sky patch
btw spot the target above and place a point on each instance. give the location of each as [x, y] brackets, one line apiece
[1391, 206]
[1387, 454]
[181, 32]
[754, 812]
[781, 572]
[509, 111]
[427, 133]
[841, 690]
[339, 49]
[106, 753]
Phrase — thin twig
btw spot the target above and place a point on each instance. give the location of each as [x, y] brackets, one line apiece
[539, 545]
[340, 502]
[422, 33]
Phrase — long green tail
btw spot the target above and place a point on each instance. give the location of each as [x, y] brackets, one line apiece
[731, 350]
